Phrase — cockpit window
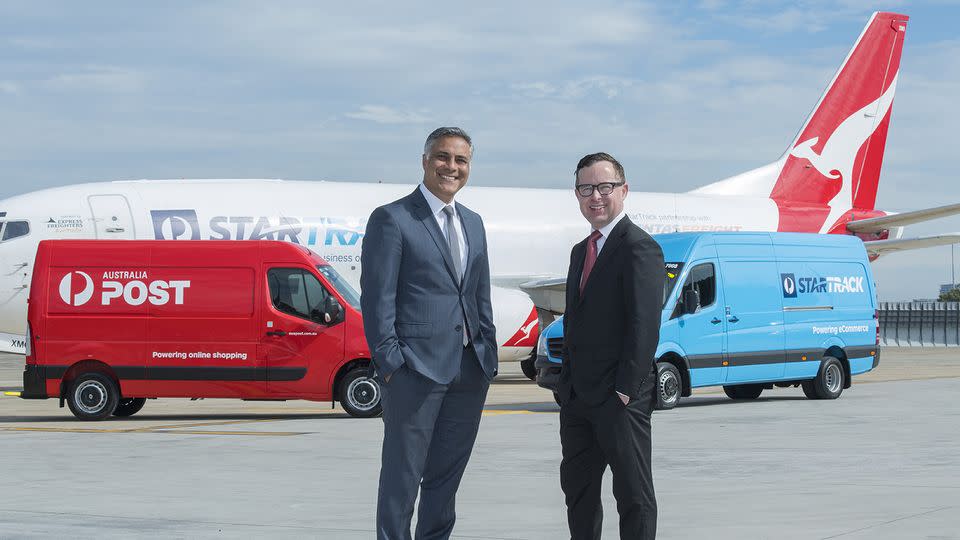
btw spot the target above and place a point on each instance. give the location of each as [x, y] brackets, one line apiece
[14, 229]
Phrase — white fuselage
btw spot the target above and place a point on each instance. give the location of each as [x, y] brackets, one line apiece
[529, 231]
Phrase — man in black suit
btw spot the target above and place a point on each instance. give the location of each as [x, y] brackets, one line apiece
[611, 328]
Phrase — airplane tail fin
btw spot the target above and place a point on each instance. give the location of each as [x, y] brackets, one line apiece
[833, 164]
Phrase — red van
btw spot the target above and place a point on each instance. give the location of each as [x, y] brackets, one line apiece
[112, 323]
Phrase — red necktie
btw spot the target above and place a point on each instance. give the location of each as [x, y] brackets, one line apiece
[591, 258]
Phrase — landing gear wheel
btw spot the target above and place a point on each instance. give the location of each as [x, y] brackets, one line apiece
[129, 406]
[743, 391]
[669, 386]
[828, 383]
[529, 369]
[360, 394]
[93, 396]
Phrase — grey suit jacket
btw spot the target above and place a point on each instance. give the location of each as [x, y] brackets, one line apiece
[413, 309]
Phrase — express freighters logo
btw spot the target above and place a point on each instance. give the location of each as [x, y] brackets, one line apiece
[134, 292]
[792, 286]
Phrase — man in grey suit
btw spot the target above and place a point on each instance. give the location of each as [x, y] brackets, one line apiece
[427, 315]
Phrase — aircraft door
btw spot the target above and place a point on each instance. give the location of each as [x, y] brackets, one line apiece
[702, 333]
[112, 218]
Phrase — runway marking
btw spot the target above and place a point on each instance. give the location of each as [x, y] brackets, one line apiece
[166, 428]
[12, 394]
[155, 430]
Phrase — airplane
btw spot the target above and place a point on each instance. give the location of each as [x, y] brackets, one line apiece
[825, 182]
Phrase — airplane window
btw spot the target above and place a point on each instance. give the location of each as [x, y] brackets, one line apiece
[15, 229]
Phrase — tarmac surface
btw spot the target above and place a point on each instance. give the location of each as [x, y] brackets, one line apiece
[881, 462]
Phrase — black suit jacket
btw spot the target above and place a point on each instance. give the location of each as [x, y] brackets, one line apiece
[611, 332]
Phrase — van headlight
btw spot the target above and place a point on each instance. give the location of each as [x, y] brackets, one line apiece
[542, 345]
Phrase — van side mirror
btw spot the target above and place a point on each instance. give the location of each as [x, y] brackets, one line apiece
[691, 301]
[332, 311]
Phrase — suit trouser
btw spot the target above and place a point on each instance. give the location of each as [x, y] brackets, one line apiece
[429, 431]
[593, 436]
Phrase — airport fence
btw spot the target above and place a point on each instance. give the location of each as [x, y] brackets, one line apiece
[920, 324]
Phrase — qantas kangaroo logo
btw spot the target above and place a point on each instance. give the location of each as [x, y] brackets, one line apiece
[66, 289]
[836, 159]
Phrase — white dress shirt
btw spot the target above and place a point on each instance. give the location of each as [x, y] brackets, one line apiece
[606, 230]
[436, 206]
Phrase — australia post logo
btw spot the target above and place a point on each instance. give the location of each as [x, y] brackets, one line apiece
[78, 288]
[792, 285]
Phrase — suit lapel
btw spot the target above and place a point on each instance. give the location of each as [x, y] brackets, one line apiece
[576, 270]
[426, 217]
[609, 248]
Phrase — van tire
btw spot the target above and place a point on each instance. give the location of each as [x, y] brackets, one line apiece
[808, 389]
[743, 391]
[668, 386]
[360, 394]
[93, 396]
[528, 368]
[129, 406]
[828, 383]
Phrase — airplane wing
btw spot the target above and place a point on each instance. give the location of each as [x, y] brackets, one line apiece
[547, 294]
[880, 247]
[878, 224]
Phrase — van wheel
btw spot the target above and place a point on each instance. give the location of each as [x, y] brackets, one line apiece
[93, 396]
[529, 369]
[743, 391]
[360, 394]
[829, 381]
[669, 386]
[129, 406]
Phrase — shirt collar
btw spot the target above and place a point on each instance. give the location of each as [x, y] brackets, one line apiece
[608, 228]
[436, 205]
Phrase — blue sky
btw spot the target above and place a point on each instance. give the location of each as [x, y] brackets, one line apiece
[683, 93]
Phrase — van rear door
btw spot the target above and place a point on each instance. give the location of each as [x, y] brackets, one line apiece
[754, 315]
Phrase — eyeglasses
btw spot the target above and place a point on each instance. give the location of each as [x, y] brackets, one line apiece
[605, 188]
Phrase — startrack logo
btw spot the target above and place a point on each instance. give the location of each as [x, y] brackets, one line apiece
[175, 224]
[310, 231]
[792, 286]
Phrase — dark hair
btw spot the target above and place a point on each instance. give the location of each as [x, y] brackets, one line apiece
[590, 159]
[442, 132]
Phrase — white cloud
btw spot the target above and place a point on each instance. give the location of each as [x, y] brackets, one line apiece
[98, 79]
[387, 115]
[8, 87]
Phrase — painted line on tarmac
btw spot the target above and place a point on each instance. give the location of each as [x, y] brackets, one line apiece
[501, 412]
[164, 430]
[12, 394]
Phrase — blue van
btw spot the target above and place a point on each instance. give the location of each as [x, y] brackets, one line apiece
[749, 311]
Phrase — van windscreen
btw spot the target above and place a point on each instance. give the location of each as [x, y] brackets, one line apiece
[341, 285]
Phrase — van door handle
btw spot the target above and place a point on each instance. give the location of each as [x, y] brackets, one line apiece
[734, 319]
[276, 333]
[716, 320]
